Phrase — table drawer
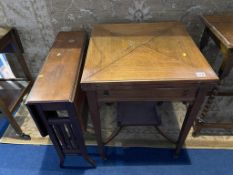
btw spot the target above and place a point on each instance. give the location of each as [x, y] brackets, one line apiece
[164, 94]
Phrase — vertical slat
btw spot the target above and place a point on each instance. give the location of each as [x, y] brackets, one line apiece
[53, 129]
[66, 136]
[60, 136]
[72, 135]
[78, 133]
[52, 134]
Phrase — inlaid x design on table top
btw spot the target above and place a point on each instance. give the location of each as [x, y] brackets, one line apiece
[145, 62]
[144, 52]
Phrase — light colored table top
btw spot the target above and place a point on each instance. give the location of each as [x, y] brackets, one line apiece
[59, 76]
[221, 25]
[144, 52]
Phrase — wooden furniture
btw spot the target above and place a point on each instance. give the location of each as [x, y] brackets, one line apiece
[133, 114]
[145, 62]
[220, 29]
[12, 90]
[56, 101]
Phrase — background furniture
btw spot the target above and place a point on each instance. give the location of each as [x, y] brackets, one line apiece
[56, 101]
[220, 29]
[12, 90]
[145, 62]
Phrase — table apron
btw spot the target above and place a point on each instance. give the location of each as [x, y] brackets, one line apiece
[155, 94]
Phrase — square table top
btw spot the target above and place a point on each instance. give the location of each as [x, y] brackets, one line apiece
[59, 76]
[144, 52]
[221, 25]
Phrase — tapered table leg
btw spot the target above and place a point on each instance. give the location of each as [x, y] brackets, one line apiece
[95, 116]
[191, 115]
[13, 122]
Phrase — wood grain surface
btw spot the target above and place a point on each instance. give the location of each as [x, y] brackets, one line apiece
[221, 25]
[58, 78]
[144, 52]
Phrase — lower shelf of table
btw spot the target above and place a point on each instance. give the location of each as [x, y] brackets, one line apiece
[137, 113]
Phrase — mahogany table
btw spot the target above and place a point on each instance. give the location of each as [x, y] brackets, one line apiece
[56, 101]
[219, 28]
[145, 62]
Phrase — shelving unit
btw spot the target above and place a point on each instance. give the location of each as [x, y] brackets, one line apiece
[13, 89]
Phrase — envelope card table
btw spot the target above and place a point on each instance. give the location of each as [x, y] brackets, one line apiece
[145, 62]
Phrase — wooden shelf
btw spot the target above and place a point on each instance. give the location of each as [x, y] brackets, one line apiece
[12, 92]
[137, 113]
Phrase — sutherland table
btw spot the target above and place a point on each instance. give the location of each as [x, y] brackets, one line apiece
[56, 102]
[145, 62]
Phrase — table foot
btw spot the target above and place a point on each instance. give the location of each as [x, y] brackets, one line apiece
[24, 136]
[176, 155]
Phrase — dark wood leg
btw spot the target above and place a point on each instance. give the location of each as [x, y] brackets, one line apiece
[79, 134]
[62, 160]
[204, 39]
[19, 54]
[52, 135]
[13, 123]
[95, 116]
[190, 117]
[200, 121]
[226, 65]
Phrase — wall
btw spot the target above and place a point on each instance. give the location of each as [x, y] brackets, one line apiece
[38, 21]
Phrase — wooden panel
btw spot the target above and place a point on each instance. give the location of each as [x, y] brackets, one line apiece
[165, 94]
[58, 78]
[146, 52]
[221, 25]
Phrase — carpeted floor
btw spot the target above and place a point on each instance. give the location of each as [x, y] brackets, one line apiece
[42, 160]
[3, 125]
[172, 115]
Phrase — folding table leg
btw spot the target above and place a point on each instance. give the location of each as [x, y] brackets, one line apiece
[13, 123]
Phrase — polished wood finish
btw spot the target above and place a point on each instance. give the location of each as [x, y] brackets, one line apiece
[57, 81]
[12, 93]
[141, 53]
[145, 62]
[219, 28]
[57, 89]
